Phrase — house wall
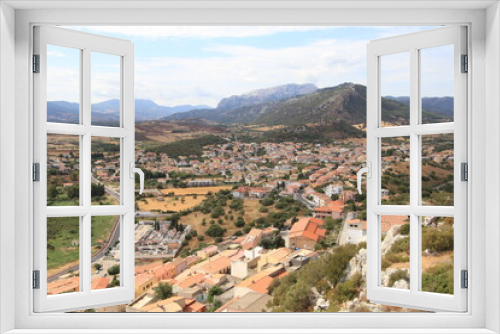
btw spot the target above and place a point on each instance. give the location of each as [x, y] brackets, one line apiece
[7, 158]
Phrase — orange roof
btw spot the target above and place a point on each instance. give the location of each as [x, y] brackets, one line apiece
[142, 279]
[308, 227]
[147, 267]
[389, 221]
[261, 285]
[194, 306]
[192, 280]
[100, 283]
[64, 285]
[215, 266]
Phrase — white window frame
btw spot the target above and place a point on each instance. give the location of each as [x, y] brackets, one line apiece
[484, 49]
[85, 43]
[412, 44]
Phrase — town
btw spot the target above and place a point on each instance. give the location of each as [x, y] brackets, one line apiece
[214, 231]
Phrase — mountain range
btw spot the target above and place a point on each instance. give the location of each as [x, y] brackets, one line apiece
[290, 105]
[441, 105]
[345, 102]
[108, 112]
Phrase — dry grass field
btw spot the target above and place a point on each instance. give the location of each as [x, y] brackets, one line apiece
[170, 203]
[195, 219]
[194, 190]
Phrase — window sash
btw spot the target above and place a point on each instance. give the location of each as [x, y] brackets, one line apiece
[85, 298]
[414, 298]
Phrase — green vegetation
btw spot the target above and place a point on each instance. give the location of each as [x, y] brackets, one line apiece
[101, 228]
[215, 231]
[398, 275]
[272, 242]
[114, 270]
[163, 291]
[63, 237]
[437, 239]
[214, 291]
[186, 147]
[438, 279]
[291, 292]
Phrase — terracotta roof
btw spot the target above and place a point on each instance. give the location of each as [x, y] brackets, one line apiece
[192, 280]
[215, 266]
[100, 283]
[64, 285]
[309, 228]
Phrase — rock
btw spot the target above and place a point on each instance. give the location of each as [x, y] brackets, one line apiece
[386, 275]
[401, 284]
[322, 304]
[430, 221]
[390, 238]
[356, 265]
[429, 252]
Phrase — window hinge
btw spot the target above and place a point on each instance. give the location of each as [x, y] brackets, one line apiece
[36, 63]
[465, 279]
[464, 172]
[36, 172]
[36, 279]
[465, 64]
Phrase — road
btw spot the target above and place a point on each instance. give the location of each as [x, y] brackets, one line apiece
[108, 190]
[299, 197]
[115, 235]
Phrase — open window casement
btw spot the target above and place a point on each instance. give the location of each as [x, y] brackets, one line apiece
[416, 135]
[65, 278]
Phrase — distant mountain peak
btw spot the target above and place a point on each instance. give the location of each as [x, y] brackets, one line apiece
[266, 95]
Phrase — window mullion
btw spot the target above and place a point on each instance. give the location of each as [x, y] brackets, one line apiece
[414, 170]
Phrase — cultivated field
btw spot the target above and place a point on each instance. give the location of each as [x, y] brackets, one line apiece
[170, 203]
[194, 190]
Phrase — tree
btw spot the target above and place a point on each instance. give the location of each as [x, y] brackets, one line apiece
[97, 266]
[163, 291]
[52, 192]
[215, 231]
[114, 270]
[240, 222]
[114, 283]
[97, 189]
[74, 191]
[214, 291]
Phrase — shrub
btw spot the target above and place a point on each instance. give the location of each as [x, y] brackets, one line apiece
[438, 279]
[398, 275]
[215, 231]
[437, 240]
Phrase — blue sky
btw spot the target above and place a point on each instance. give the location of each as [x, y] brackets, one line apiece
[201, 65]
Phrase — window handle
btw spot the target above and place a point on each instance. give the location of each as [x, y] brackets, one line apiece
[368, 171]
[139, 171]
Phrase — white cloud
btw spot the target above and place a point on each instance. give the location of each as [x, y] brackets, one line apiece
[173, 81]
[155, 32]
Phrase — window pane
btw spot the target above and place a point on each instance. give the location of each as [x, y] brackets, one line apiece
[395, 89]
[105, 171]
[395, 171]
[63, 170]
[63, 255]
[437, 254]
[437, 79]
[395, 252]
[105, 239]
[437, 170]
[63, 84]
[105, 89]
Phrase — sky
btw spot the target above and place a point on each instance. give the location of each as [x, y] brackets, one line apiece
[200, 65]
